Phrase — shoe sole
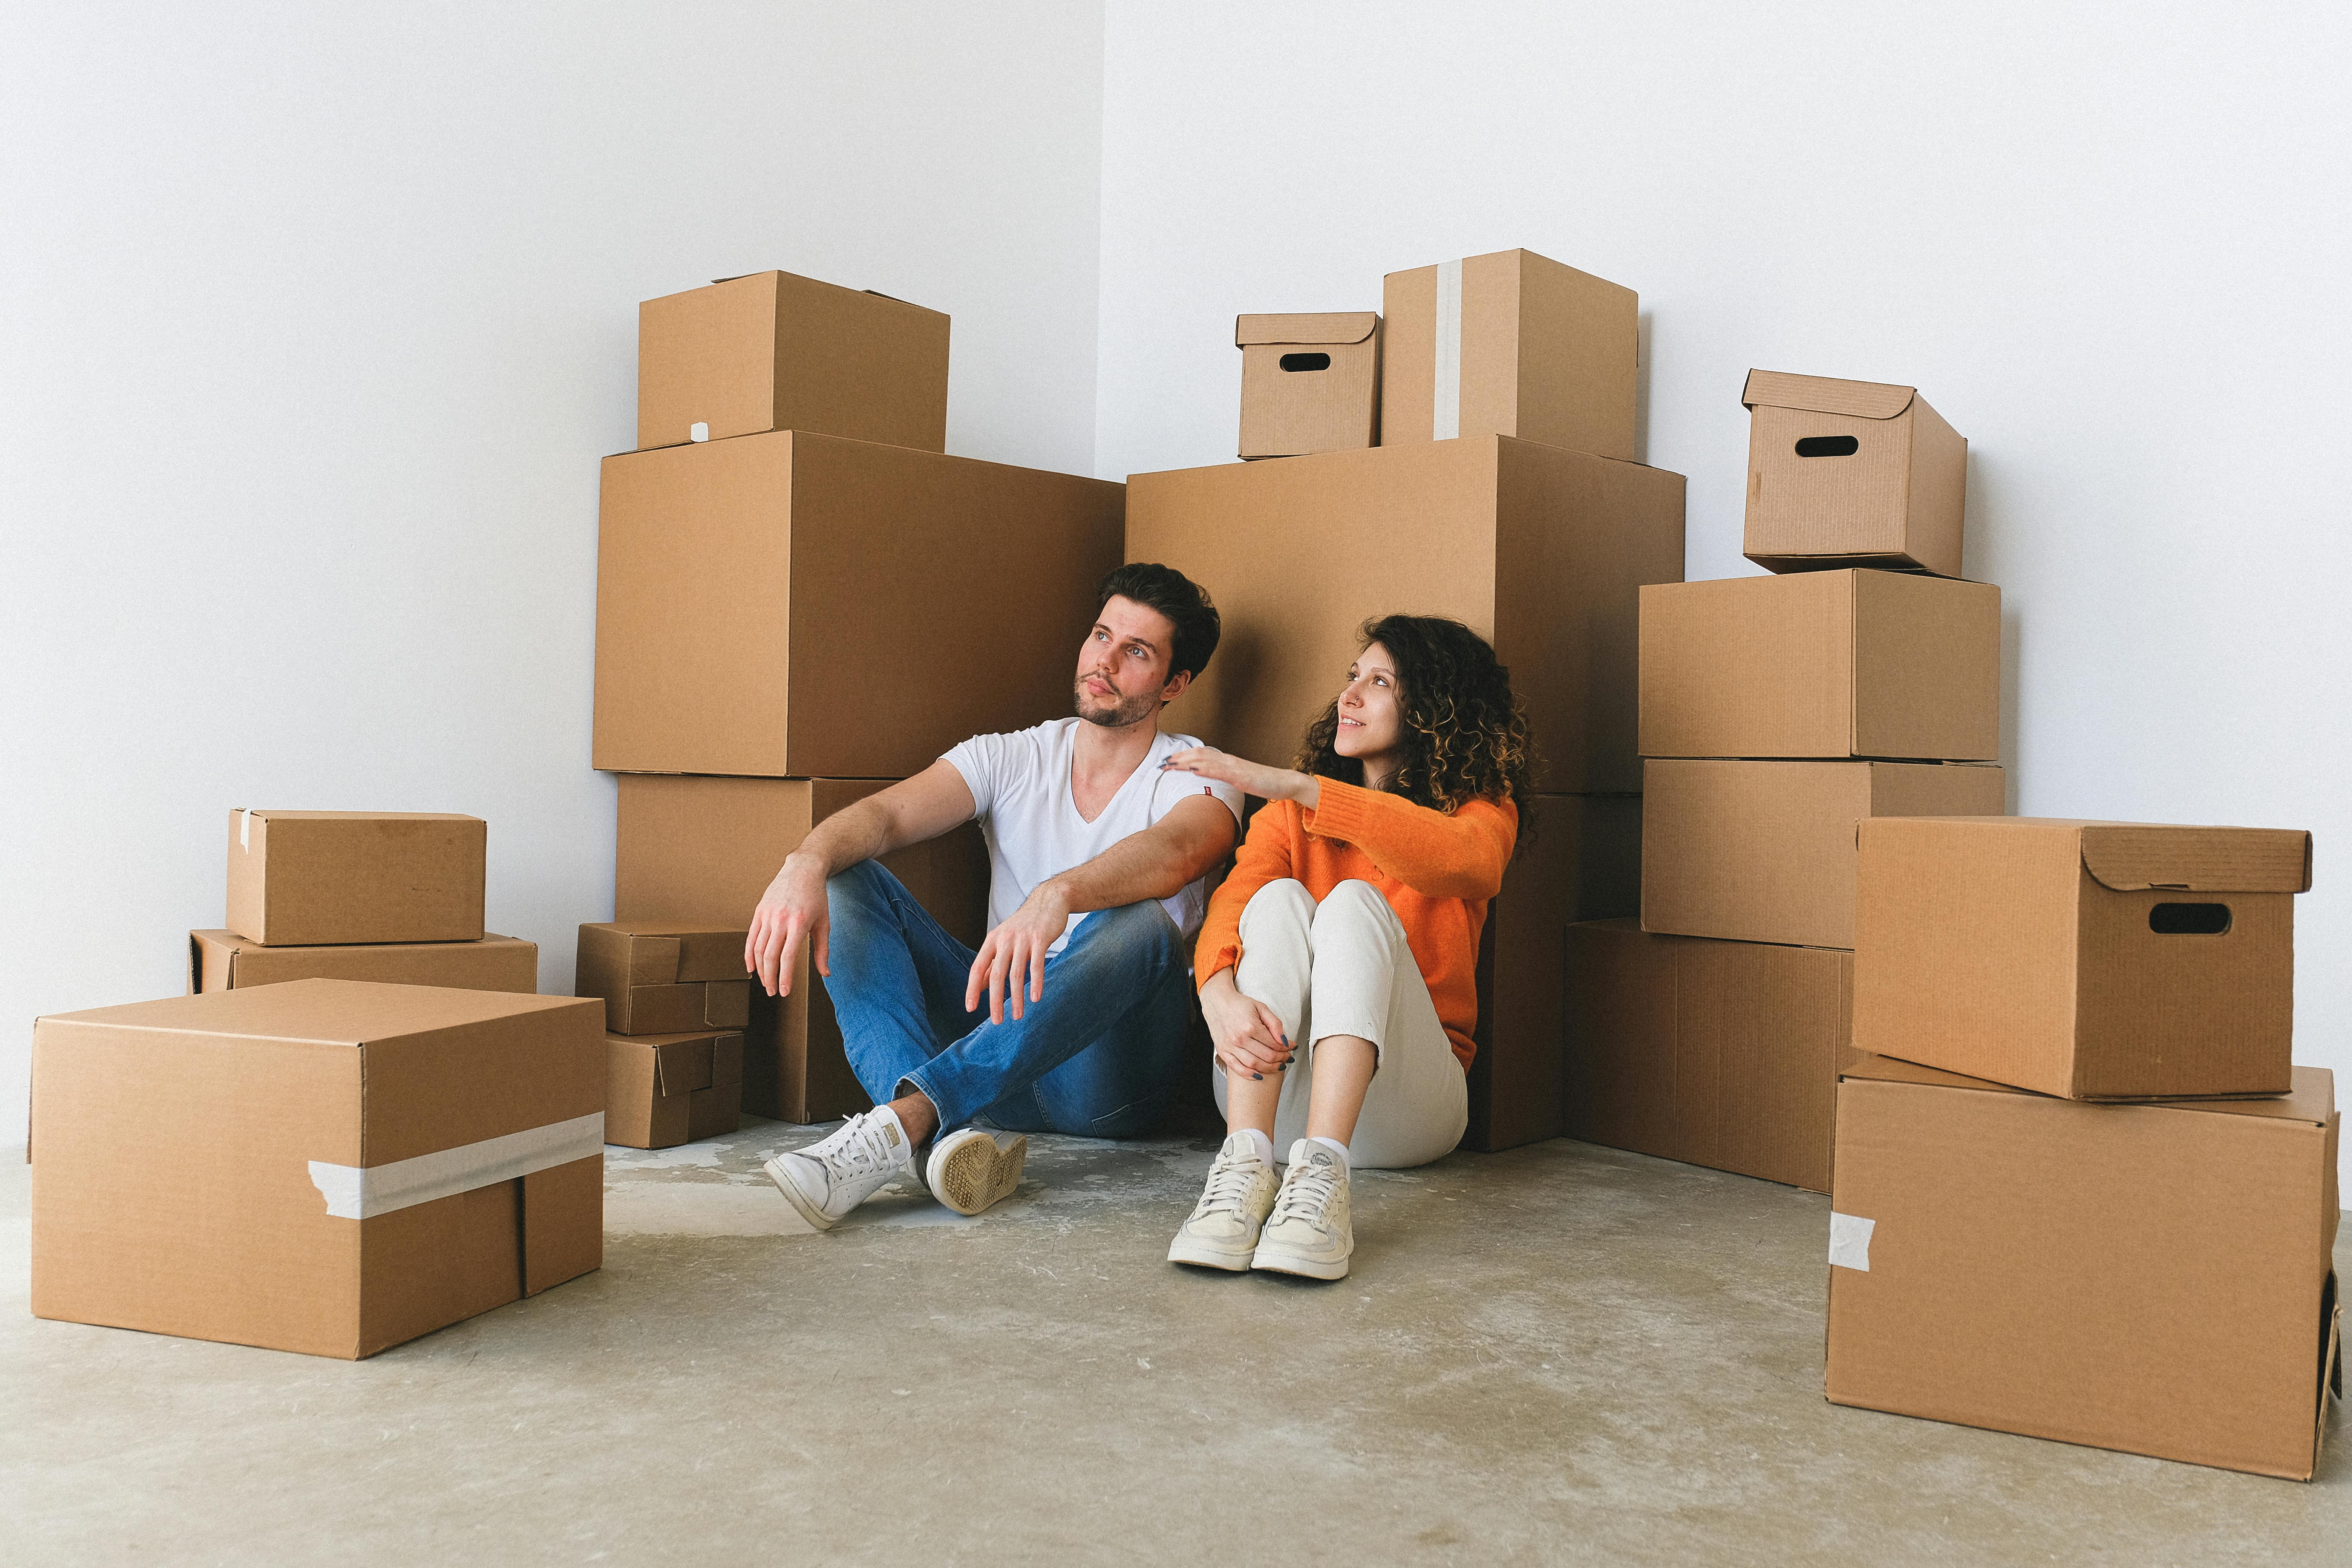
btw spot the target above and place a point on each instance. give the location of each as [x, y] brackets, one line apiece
[977, 1174]
[815, 1217]
[1200, 1255]
[1282, 1260]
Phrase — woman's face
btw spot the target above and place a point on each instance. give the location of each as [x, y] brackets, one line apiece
[1372, 708]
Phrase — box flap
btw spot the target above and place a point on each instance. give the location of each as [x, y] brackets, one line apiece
[1323, 327]
[2313, 1098]
[326, 1012]
[1824, 394]
[2133, 855]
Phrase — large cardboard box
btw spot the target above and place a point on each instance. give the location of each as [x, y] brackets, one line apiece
[2092, 960]
[1309, 382]
[774, 352]
[1764, 851]
[331, 1166]
[1714, 1053]
[1824, 664]
[704, 849]
[1850, 473]
[792, 605]
[302, 878]
[661, 977]
[223, 960]
[2150, 1277]
[1509, 345]
[1541, 551]
[665, 1090]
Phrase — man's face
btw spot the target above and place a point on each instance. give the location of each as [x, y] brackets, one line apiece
[1123, 665]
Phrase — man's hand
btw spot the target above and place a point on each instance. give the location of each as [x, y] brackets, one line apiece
[1248, 1035]
[1250, 778]
[791, 913]
[1012, 960]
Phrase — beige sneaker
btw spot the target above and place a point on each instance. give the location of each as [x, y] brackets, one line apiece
[1223, 1231]
[1308, 1231]
[969, 1169]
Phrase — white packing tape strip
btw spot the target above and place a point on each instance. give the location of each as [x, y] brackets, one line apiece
[1849, 1241]
[356, 1192]
[1445, 404]
[245, 830]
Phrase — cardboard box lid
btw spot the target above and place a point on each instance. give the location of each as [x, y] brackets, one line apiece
[677, 952]
[2136, 857]
[1324, 327]
[1825, 394]
[779, 272]
[2312, 1100]
[267, 815]
[318, 1012]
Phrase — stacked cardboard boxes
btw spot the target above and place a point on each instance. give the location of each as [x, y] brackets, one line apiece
[676, 1003]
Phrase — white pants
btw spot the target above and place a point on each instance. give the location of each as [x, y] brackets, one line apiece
[1343, 967]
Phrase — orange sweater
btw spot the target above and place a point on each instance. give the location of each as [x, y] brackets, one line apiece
[1436, 871]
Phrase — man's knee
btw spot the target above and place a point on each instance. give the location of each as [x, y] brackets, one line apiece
[1141, 929]
[865, 886]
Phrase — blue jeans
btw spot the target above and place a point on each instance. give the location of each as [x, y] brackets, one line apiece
[1098, 1055]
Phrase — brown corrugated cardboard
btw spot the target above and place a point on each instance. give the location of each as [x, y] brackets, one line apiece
[1824, 664]
[297, 879]
[223, 960]
[1714, 1053]
[343, 1165]
[1543, 550]
[781, 605]
[1509, 345]
[661, 977]
[1850, 473]
[665, 1090]
[2092, 960]
[776, 351]
[2150, 1277]
[1309, 384]
[693, 848]
[1764, 851]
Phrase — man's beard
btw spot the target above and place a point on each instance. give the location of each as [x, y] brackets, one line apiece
[1127, 711]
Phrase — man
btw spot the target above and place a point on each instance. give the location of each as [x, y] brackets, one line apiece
[1071, 1016]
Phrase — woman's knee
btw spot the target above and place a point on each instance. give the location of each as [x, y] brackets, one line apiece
[1358, 905]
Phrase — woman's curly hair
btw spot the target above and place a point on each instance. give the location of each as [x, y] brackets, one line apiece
[1464, 735]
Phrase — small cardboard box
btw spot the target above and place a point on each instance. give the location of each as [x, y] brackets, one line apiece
[2155, 1279]
[771, 351]
[661, 977]
[300, 878]
[329, 1166]
[1825, 664]
[1509, 345]
[1850, 473]
[661, 1090]
[2091, 959]
[1309, 384]
[1764, 851]
[223, 960]
[1714, 1053]
[761, 602]
[1541, 551]
[704, 849]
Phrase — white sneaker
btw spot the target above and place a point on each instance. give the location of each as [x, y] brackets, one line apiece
[842, 1169]
[1308, 1231]
[1223, 1231]
[970, 1170]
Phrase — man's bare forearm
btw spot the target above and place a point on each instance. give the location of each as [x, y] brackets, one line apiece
[854, 833]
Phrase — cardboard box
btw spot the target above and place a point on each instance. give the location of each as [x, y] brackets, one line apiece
[1309, 384]
[1582, 862]
[704, 849]
[1723, 1054]
[775, 351]
[1509, 345]
[665, 1090]
[762, 603]
[2155, 1279]
[329, 1166]
[1541, 551]
[1825, 664]
[661, 977]
[1850, 473]
[298, 879]
[2092, 960]
[1764, 851]
[223, 961]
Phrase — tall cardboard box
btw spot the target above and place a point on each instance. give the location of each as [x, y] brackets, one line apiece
[1723, 1054]
[2092, 960]
[300, 879]
[697, 848]
[792, 605]
[661, 1090]
[1764, 851]
[1309, 382]
[223, 960]
[329, 1166]
[775, 351]
[1541, 551]
[1850, 473]
[2155, 1277]
[665, 976]
[1509, 345]
[1823, 663]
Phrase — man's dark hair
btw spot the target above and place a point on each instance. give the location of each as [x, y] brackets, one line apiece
[1184, 602]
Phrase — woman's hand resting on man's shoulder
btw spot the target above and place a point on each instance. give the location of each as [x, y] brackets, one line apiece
[1250, 778]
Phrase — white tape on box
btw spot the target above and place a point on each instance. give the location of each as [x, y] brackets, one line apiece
[1849, 1241]
[356, 1192]
[1445, 402]
[245, 830]
[698, 431]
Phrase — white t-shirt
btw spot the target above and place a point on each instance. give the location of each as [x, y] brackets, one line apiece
[1020, 786]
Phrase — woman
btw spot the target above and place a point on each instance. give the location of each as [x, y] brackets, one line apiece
[1338, 965]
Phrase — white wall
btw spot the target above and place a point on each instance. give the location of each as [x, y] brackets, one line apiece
[317, 321]
[2108, 243]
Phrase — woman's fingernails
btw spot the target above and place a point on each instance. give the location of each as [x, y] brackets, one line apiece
[1258, 1074]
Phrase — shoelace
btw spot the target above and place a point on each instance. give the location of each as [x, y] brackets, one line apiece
[865, 1148]
[1229, 1185]
[1305, 1193]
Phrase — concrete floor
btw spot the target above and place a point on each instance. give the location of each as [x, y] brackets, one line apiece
[1559, 1354]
